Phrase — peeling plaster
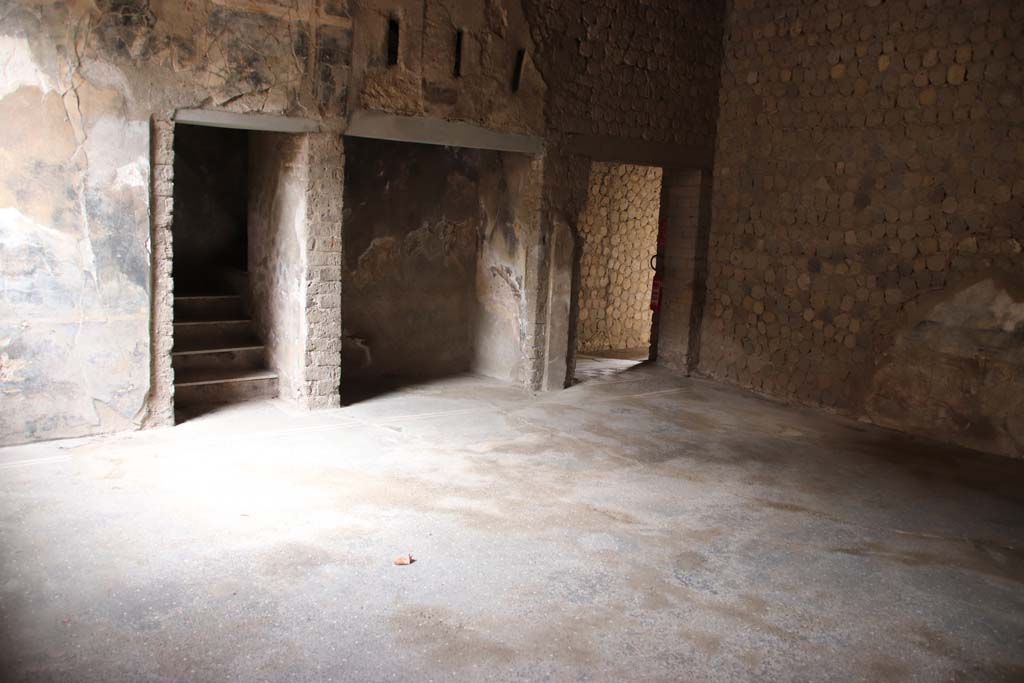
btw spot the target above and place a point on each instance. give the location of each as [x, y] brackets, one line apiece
[1009, 311]
[106, 75]
[114, 144]
[132, 174]
[27, 249]
[18, 68]
[954, 372]
[79, 83]
[12, 370]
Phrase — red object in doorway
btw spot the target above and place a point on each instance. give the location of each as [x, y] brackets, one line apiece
[656, 264]
[656, 293]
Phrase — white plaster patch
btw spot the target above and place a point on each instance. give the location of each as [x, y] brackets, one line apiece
[117, 150]
[26, 248]
[983, 305]
[106, 74]
[12, 370]
[18, 231]
[18, 69]
[299, 221]
[115, 142]
[133, 174]
[1009, 312]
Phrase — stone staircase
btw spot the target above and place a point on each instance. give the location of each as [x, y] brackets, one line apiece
[217, 355]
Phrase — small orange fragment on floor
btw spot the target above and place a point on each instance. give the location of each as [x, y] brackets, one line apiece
[404, 559]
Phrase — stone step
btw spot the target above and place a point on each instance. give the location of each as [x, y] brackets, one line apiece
[211, 333]
[227, 342]
[243, 357]
[201, 387]
[208, 307]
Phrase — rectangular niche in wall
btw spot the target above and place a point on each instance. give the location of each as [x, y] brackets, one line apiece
[433, 262]
[394, 33]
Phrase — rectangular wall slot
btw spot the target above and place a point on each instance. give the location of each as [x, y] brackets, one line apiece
[517, 75]
[457, 68]
[393, 32]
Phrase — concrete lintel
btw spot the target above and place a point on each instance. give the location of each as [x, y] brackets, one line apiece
[382, 126]
[642, 152]
[265, 122]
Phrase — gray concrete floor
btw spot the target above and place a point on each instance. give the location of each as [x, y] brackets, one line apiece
[647, 528]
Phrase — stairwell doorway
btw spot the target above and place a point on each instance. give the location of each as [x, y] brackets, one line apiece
[272, 326]
[218, 355]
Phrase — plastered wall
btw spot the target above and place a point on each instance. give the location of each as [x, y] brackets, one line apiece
[866, 241]
[277, 230]
[88, 96]
[619, 232]
[634, 70]
[86, 93]
[74, 232]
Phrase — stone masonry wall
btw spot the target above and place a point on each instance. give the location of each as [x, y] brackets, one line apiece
[868, 213]
[160, 400]
[324, 201]
[642, 70]
[295, 200]
[619, 231]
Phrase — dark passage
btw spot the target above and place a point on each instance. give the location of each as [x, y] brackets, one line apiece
[210, 206]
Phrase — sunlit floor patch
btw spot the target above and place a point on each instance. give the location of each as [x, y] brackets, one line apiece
[606, 365]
